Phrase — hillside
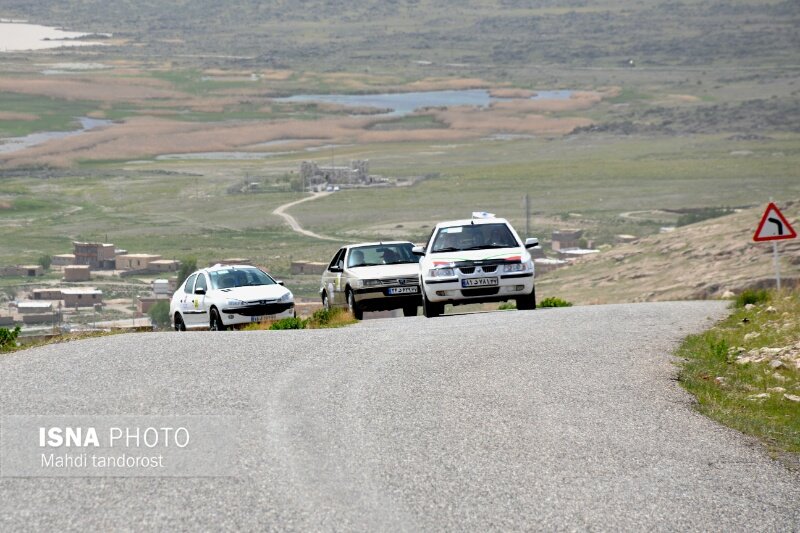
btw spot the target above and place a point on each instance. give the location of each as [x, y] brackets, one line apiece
[701, 260]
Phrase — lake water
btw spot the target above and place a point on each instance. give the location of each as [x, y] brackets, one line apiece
[16, 37]
[12, 144]
[405, 103]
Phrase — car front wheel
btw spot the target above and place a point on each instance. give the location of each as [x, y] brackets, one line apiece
[527, 302]
[353, 305]
[431, 309]
[216, 322]
[326, 304]
[410, 310]
[179, 325]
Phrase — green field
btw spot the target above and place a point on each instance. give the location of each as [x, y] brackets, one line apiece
[708, 117]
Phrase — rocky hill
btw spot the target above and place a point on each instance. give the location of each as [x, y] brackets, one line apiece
[702, 260]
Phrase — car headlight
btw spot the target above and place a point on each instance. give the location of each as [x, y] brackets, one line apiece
[516, 267]
[234, 302]
[441, 273]
[371, 282]
[288, 297]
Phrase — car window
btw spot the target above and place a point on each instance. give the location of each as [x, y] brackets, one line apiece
[188, 287]
[201, 282]
[474, 237]
[381, 254]
[228, 278]
[337, 259]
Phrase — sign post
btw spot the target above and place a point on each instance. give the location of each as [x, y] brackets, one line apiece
[774, 227]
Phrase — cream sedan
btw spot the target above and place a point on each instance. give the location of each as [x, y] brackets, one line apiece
[377, 276]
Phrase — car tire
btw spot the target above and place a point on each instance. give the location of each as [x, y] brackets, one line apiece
[410, 310]
[431, 309]
[216, 322]
[353, 305]
[528, 302]
[179, 324]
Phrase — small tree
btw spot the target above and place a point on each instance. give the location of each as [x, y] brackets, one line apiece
[188, 266]
[45, 261]
[159, 314]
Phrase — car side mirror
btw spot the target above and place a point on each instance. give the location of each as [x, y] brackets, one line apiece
[531, 242]
[200, 290]
[279, 282]
[335, 269]
[418, 250]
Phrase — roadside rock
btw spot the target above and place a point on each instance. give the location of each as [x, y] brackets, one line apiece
[792, 398]
[758, 397]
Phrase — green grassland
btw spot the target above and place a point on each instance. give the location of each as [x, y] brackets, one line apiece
[708, 117]
[727, 390]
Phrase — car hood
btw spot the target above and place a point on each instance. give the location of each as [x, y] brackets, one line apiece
[247, 294]
[386, 271]
[468, 256]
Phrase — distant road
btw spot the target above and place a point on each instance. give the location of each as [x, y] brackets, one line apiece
[295, 225]
[548, 420]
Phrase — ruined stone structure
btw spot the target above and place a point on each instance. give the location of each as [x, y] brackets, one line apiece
[356, 174]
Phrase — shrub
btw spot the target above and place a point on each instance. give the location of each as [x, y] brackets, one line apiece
[159, 314]
[326, 318]
[552, 301]
[289, 323]
[45, 261]
[8, 338]
[506, 306]
[752, 296]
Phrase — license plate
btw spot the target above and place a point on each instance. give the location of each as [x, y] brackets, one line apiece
[262, 318]
[479, 282]
[403, 290]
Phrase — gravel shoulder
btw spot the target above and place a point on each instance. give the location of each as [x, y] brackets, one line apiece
[555, 419]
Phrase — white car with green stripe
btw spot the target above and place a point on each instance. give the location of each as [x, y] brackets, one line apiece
[475, 261]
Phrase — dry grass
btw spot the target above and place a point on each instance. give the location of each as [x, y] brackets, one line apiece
[11, 115]
[508, 120]
[511, 93]
[148, 136]
[447, 84]
[100, 89]
[579, 100]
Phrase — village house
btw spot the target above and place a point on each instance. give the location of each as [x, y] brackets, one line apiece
[77, 273]
[46, 294]
[30, 271]
[62, 260]
[99, 256]
[87, 297]
[564, 239]
[135, 261]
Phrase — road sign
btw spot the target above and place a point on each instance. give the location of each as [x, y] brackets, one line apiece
[774, 226]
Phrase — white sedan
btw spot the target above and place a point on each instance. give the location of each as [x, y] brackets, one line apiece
[475, 261]
[228, 295]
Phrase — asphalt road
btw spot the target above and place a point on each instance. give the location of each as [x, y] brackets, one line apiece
[557, 419]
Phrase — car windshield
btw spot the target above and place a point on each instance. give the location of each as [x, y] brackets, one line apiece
[381, 254]
[229, 278]
[473, 237]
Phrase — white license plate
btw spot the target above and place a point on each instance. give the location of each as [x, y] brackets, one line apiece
[479, 282]
[403, 290]
[262, 318]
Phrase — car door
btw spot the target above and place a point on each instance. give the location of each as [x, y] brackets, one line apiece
[200, 302]
[186, 304]
[333, 278]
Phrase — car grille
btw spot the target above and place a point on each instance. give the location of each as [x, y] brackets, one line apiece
[488, 291]
[399, 281]
[471, 270]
